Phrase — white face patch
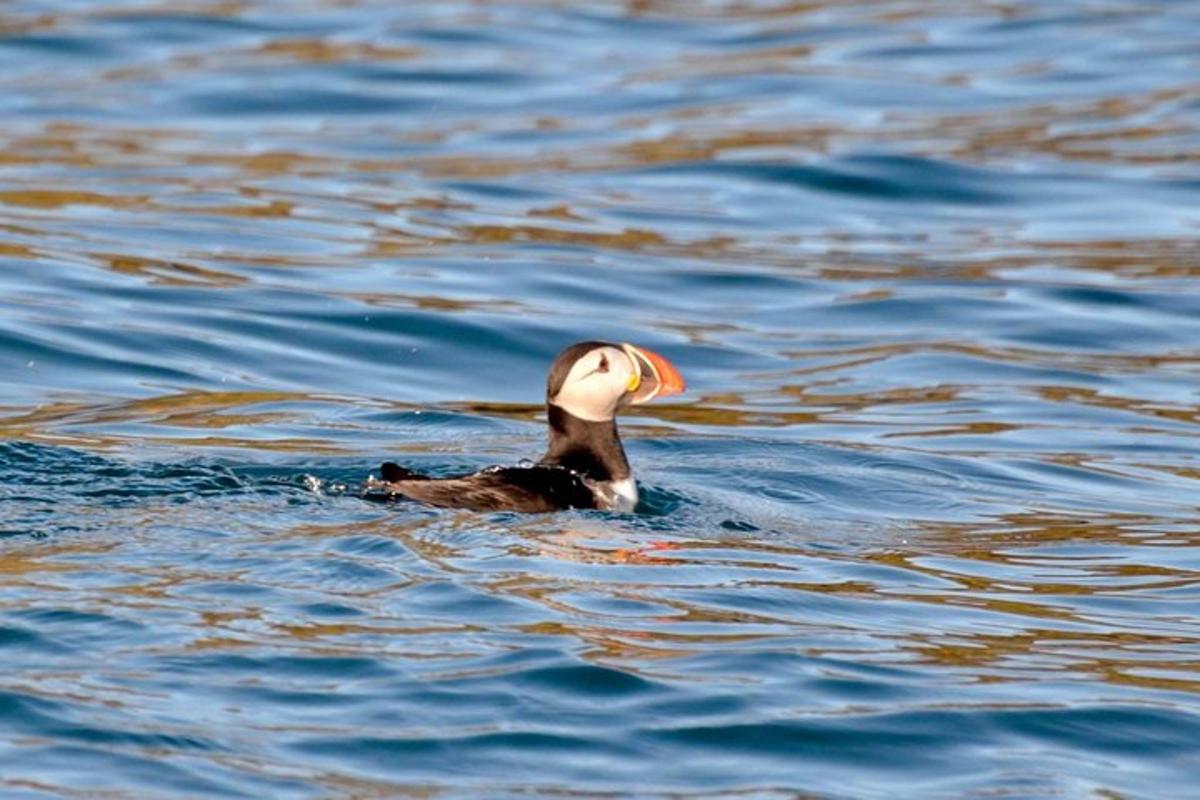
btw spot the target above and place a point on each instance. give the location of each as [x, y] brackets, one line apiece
[596, 383]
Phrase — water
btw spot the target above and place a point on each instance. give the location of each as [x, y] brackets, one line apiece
[924, 525]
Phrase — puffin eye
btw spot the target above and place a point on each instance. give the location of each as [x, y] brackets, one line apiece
[603, 363]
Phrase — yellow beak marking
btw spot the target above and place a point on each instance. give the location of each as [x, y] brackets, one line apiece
[635, 380]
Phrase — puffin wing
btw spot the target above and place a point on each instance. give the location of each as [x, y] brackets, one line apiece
[528, 489]
[393, 472]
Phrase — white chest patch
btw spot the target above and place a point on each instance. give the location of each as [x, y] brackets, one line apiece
[620, 496]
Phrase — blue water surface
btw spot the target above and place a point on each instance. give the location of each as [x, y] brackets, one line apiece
[924, 525]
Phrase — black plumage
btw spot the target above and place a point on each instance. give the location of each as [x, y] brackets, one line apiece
[535, 488]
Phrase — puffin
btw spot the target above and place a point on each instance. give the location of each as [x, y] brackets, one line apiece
[584, 466]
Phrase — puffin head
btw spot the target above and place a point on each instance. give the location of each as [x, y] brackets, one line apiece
[593, 380]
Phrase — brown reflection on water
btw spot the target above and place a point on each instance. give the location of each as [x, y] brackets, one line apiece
[17, 250]
[1099, 363]
[184, 166]
[323, 51]
[1092, 397]
[60, 198]
[170, 273]
[1061, 130]
[780, 407]
[1049, 612]
[67, 423]
[1041, 615]
[38, 567]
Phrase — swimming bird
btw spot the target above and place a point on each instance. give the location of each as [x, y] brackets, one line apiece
[585, 465]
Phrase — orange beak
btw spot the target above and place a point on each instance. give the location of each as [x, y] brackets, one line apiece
[655, 377]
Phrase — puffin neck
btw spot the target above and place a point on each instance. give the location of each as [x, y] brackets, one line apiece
[592, 449]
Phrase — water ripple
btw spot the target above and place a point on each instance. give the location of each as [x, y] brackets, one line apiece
[922, 525]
